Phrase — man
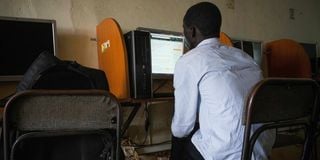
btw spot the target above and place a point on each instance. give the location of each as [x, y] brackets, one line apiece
[211, 84]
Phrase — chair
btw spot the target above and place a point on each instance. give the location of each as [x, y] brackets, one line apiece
[56, 121]
[278, 103]
[286, 58]
[225, 39]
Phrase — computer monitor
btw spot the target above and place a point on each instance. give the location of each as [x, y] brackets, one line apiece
[252, 48]
[21, 41]
[166, 49]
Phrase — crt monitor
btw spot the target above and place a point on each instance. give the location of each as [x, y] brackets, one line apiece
[166, 49]
[21, 41]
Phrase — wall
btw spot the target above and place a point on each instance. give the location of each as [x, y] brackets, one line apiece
[249, 19]
[263, 20]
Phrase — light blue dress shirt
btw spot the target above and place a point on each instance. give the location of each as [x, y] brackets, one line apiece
[211, 84]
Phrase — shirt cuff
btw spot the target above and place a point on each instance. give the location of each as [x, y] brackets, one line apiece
[180, 131]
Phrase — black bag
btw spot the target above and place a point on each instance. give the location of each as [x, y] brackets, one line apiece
[49, 72]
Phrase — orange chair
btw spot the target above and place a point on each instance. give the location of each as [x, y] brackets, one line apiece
[225, 39]
[286, 58]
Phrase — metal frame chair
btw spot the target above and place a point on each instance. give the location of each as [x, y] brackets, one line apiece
[47, 114]
[282, 102]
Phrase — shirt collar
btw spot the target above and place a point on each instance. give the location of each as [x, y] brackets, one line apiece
[211, 41]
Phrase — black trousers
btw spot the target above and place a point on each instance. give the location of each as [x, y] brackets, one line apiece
[183, 148]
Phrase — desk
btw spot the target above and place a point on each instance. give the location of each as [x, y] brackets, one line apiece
[136, 104]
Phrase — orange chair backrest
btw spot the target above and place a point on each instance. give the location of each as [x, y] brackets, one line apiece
[112, 57]
[225, 39]
[287, 58]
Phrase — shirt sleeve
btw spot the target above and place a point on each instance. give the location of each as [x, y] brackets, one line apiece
[186, 100]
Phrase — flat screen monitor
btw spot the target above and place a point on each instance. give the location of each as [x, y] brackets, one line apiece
[252, 48]
[21, 41]
[166, 49]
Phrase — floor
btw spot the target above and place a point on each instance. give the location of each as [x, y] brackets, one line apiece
[283, 153]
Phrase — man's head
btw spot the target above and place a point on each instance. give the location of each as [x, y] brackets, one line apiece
[202, 21]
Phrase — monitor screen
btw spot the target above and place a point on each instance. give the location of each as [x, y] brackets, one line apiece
[252, 48]
[165, 51]
[21, 41]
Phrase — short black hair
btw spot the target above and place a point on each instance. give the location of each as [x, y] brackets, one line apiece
[206, 17]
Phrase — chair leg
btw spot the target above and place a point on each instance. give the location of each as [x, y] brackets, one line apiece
[315, 148]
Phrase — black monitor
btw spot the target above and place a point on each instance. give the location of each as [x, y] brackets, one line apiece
[166, 48]
[21, 41]
[252, 48]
